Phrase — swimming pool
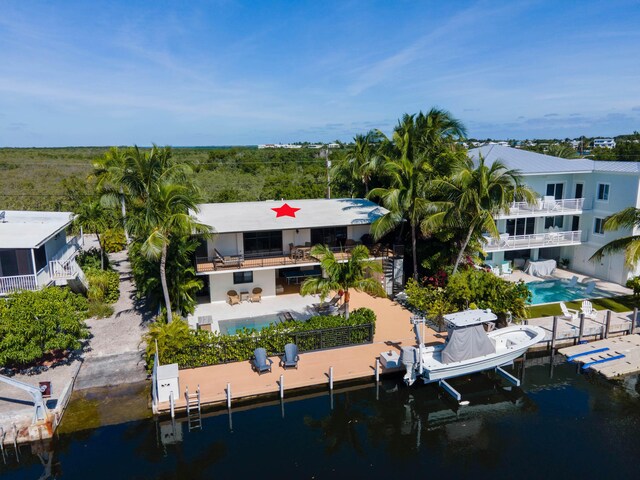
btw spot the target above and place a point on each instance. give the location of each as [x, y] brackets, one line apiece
[231, 327]
[549, 291]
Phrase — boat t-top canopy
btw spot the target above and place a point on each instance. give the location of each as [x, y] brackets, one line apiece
[469, 318]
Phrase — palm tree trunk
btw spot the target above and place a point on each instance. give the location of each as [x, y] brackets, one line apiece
[163, 279]
[346, 305]
[462, 249]
[414, 250]
[124, 214]
[101, 251]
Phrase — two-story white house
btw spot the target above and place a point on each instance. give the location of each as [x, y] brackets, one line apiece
[35, 251]
[604, 143]
[267, 244]
[576, 196]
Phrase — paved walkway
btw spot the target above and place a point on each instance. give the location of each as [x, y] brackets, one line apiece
[115, 354]
[393, 330]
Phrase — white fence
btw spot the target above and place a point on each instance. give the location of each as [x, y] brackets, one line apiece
[19, 282]
[536, 240]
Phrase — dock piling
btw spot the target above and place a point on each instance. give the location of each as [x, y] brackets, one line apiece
[607, 325]
[331, 378]
[554, 333]
[172, 405]
[281, 386]
[229, 396]
[377, 369]
[581, 331]
[634, 319]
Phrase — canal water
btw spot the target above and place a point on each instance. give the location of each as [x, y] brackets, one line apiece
[560, 424]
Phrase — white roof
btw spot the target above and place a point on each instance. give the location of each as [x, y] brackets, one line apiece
[23, 229]
[470, 317]
[259, 216]
[167, 372]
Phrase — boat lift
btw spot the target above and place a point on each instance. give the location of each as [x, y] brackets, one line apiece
[40, 408]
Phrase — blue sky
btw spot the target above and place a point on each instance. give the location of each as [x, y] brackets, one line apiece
[227, 72]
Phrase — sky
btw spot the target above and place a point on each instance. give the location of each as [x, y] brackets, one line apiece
[222, 72]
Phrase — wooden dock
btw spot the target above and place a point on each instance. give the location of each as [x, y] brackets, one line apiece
[612, 357]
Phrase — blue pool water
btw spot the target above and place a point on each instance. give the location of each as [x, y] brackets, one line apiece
[549, 291]
[231, 327]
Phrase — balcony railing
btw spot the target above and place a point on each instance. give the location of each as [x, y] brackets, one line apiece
[16, 283]
[543, 208]
[536, 240]
[301, 256]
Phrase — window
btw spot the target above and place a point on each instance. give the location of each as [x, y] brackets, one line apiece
[598, 226]
[242, 277]
[603, 192]
[555, 222]
[555, 190]
[263, 242]
[330, 236]
[521, 226]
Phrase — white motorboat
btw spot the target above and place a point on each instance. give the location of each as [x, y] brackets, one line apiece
[469, 348]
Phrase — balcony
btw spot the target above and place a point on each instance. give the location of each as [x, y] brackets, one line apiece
[17, 283]
[536, 240]
[301, 256]
[544, 208]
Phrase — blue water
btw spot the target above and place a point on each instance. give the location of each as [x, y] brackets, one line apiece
[549, 291]
[231, 327]
[560, 424]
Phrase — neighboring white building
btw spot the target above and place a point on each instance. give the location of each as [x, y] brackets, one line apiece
[266, 244]
[35, 251]
[604, 143]
[576, 196]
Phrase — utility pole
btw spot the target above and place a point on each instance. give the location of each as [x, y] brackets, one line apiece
[328, 163]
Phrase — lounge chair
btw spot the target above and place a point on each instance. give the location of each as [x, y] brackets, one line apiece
[505, 268]
[573, 282]
[229, 260]
[290, 357]
[325, 307]
[233, 297]
[256, 295]
[588, 310]
[568, 313]
[260, 362]
[591, 286]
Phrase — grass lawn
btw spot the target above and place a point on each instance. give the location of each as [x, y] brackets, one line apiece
[623, 303]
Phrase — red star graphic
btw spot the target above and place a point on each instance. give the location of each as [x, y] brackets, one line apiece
[285, 211]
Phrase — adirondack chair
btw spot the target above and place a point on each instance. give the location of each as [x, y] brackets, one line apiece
[588, 310]
[260, 362]
[290, 357]
[568, 313]
[573, 282]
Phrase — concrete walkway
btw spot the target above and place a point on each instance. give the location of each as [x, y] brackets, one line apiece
[116, 347]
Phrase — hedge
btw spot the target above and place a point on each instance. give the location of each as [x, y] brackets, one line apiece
[201, 348]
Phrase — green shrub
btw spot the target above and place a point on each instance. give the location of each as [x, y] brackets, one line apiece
[189, 348]
[33, 324]
[104, 285]
[89, 259]
[99, 309]
[113, 240]
[634, 284]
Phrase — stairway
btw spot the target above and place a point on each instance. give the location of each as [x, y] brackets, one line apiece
[388, 266]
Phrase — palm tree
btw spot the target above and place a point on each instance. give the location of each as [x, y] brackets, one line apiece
[423, 148]
[473, 196]
[108, 170]
[629, 218]
[93, 218]
[164, 216]
[359, 162]
[342, 275]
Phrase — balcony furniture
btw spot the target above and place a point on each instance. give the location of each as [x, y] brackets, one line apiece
[260, 362]
[550, 202]
[229, 260]
[504, 238]
[303, 251]
[204, 323]
[287, 316]
[290, 357]
[568, 313]
[233, 297]
[244, 295]
[588, 310]
[256, 295]
[326, 307]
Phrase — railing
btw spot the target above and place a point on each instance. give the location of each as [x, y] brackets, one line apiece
[16, 283]
[69, 251]
[536, 240]
[544, 208]
[61, 270]
[300, 257]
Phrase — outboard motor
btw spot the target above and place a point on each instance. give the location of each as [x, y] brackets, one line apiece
[409, 358]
